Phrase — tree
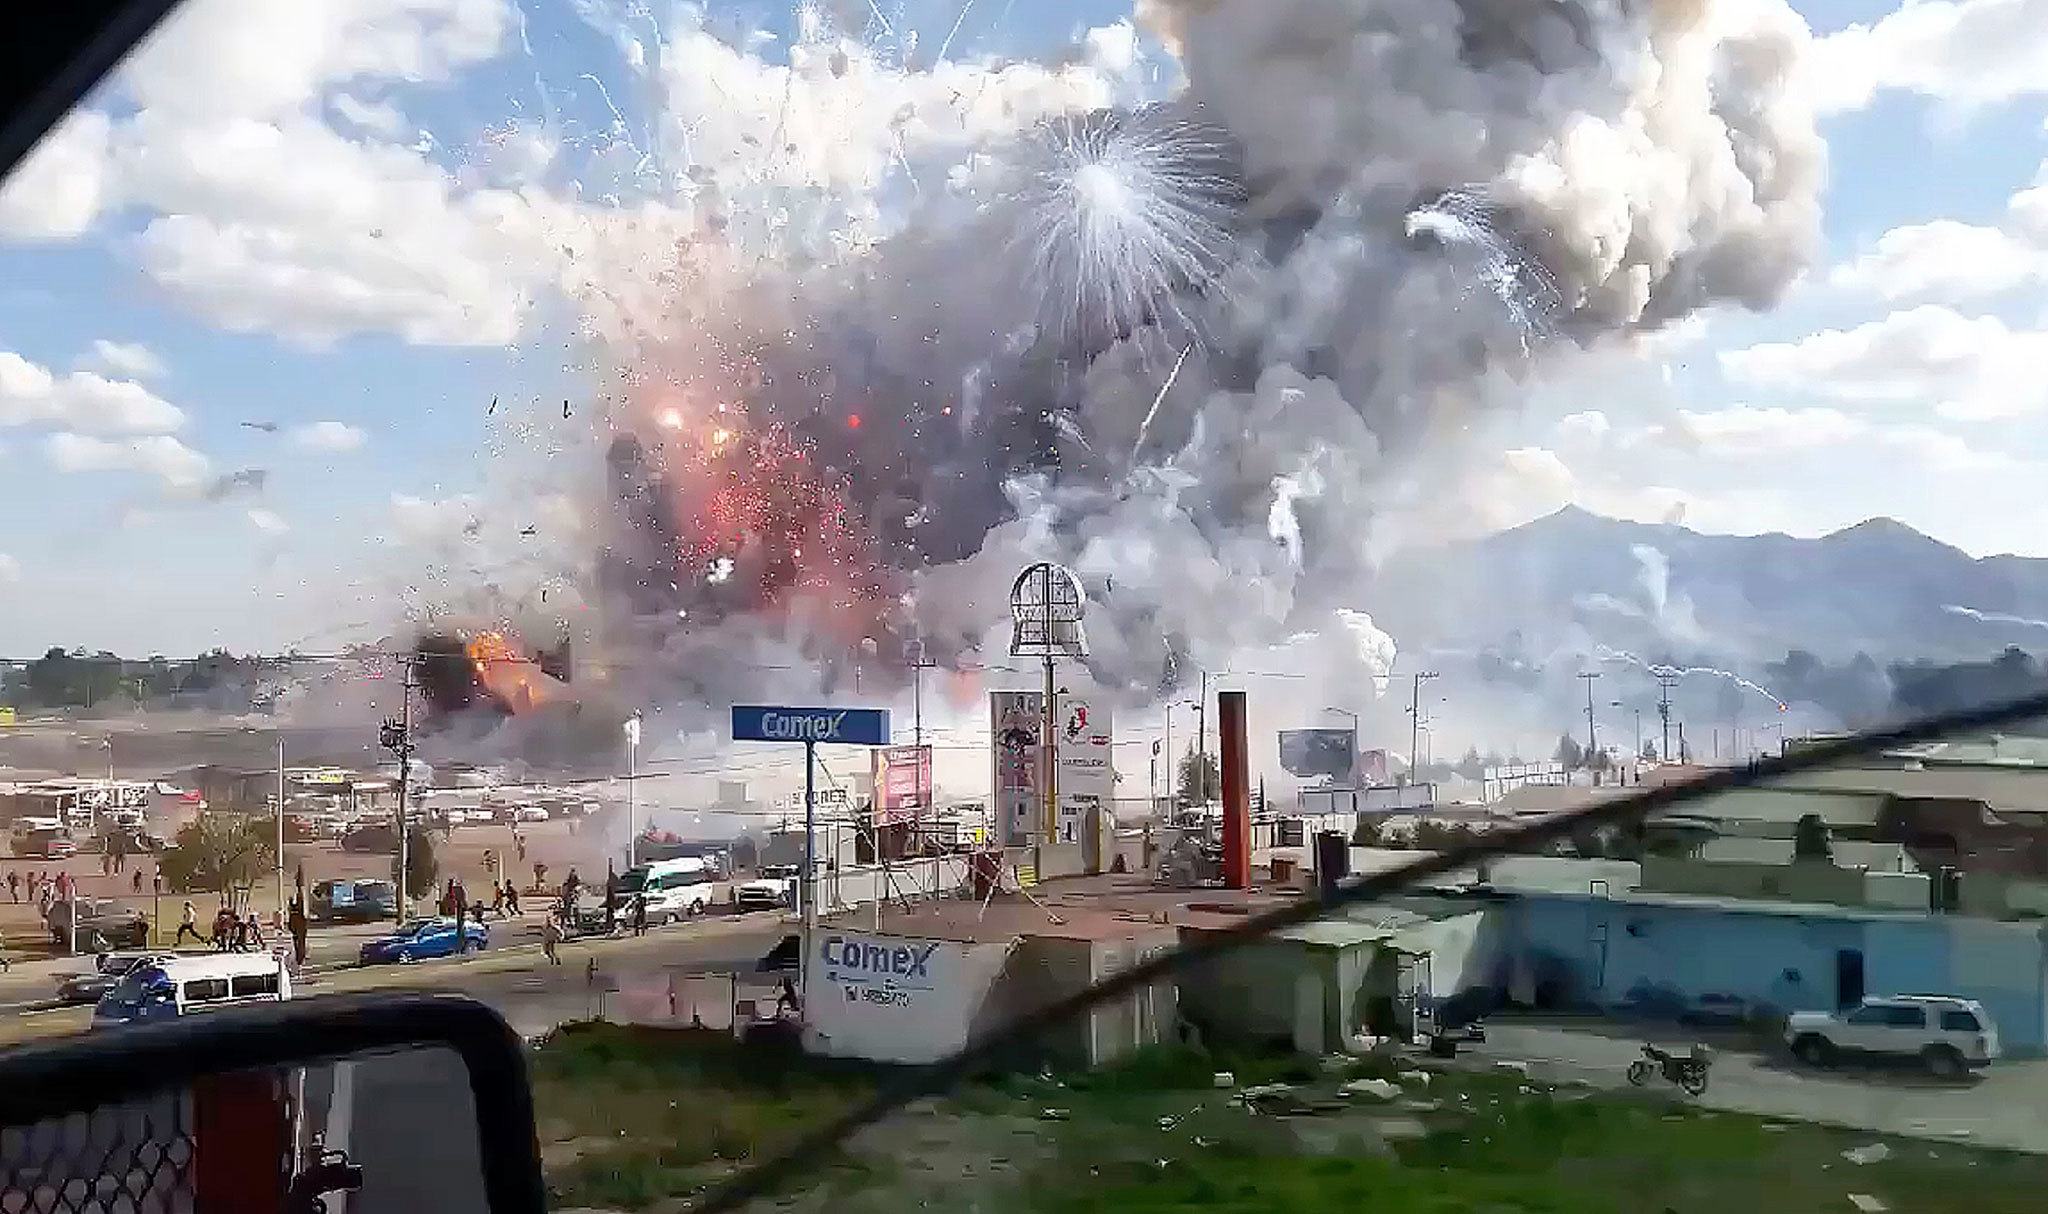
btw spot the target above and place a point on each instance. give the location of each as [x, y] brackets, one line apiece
[218, 852]
[1472, 767]
[1201, 779]
[1810, 839]
[1649, 752]
[1367, 834]
[423, 869]
[1570, 753]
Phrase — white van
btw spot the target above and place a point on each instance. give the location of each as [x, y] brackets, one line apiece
[673, 888]
[180, 986]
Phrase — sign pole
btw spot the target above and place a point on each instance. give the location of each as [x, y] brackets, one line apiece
[809, 885]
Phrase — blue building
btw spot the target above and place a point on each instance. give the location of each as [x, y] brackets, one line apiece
[1664, 952]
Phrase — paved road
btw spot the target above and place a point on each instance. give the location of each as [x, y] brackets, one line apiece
[2007, 1106]
[532, 995]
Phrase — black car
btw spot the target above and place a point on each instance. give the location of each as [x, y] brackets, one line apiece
[371, 839]
[353, 901]
[110, 968]
[103, 924]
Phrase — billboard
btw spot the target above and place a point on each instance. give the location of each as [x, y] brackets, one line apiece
[1312, 753]
[1087, 776]
[1015, 723]
[903, 783]
[819, 726]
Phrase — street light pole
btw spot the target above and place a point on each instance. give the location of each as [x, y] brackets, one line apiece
[280, 827]
[1415, 722]
[632, 728]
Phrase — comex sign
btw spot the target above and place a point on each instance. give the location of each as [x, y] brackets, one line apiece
[811, 726]
[885, 975]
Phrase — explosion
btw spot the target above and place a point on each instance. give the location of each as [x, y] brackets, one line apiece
[886, 333]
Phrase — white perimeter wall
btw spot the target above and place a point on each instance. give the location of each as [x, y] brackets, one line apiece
[893, 998]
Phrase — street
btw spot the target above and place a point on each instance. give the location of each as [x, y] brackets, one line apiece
[512, 976]
[2005, 1106]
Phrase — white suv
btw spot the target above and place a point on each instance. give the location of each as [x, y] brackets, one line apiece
[1945, 1033]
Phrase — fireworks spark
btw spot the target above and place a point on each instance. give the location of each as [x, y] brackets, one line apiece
[1680, 672]
[1467, 225]
[1124, 214]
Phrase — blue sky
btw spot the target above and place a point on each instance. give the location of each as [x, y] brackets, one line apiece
[160, 258]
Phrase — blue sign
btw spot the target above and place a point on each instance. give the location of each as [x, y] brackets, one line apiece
[824, 726]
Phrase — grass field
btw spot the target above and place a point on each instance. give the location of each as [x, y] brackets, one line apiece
[635, 1119]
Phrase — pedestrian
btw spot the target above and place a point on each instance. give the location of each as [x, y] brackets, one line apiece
[519, 845]
[223, 928]
[249, 934]
[611, 904]
[461, 939]
[639, 914]
[43, 902]
[550, 940]
[571, 884]
[297, 923]
[135, 882]
[188, 925]
[14, 886]
[497, 900]
[511, 898]
[787, 999]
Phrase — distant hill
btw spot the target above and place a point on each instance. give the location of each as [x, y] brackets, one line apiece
[1574, 581]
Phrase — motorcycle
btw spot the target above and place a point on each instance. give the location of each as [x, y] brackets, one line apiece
[1687, 1070]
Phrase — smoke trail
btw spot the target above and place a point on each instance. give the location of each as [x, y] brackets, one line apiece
[1465, 222]
[1993, 617]
[1679, 672]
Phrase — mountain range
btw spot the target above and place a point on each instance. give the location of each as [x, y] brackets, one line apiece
[1577, 582]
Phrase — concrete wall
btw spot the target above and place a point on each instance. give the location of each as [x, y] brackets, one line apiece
[911, 1013]
[1997, 896]
[1613, 953]
[1247, 994]
[1042, 969]
[1846, 853]
[925, 877]
[1795, 882]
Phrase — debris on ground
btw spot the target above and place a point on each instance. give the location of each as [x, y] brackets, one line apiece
[1868, 1204]
[1264, 1091]
[1052, 1114]
[1421, 1077]
[1520, 1068]
[1422, 1106]
[1379, 1089]
[1224, 1079]
[1875, 1152]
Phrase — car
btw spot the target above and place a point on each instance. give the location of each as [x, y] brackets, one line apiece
[359, 901]
[45, 843]
[103, 924]
[110, 968]
[776, 886]
[377, 838]
[672, 889]
[530, 813]
[1945, 1034]
[422, 939]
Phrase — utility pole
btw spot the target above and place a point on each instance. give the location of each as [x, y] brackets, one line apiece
[1665, 682]
[1592, 734]
[919, 663]
[1202, 741]
[1415, 722]
[396, 737]
[280, 826]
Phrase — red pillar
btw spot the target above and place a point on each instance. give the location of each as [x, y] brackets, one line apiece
[1237, 791]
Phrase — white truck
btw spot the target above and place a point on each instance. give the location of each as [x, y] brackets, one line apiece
[1945, 1034]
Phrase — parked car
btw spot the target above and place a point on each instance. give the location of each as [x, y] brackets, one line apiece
[421, 939]
[110, 968]
[378, 838]
[353, 901]
[45, 843]
[103, 924]
[530, 813]
[673, 889]
[776, 886]
[1945, 1034]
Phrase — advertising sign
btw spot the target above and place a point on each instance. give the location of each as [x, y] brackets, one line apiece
[1087, 777]
[896, 998]
[1324, 753]
[1015, 723]
[903, 783]
[821, 726]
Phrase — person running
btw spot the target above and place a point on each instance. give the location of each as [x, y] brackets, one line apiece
[223, 929]
[188, 925]
[640, 914]
[14, 886]
[135, 882]
[461, 913]
[511, 898]
[296, 923]
[551, 940]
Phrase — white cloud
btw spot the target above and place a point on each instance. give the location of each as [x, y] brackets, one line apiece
[61, 189]
[1972, 52]
[130, 358]
[1965, 367]
[10, 570]
[269, 522]
[1946, 261]
[1587, 425]
[159, 455]
[1751, 432]
[330, 436]
[82, 401]
[371, 117]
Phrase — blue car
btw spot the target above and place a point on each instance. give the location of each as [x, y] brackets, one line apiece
[424, 938]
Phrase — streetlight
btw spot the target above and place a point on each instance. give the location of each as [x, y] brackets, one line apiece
[1639, 726]
[632, 731]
